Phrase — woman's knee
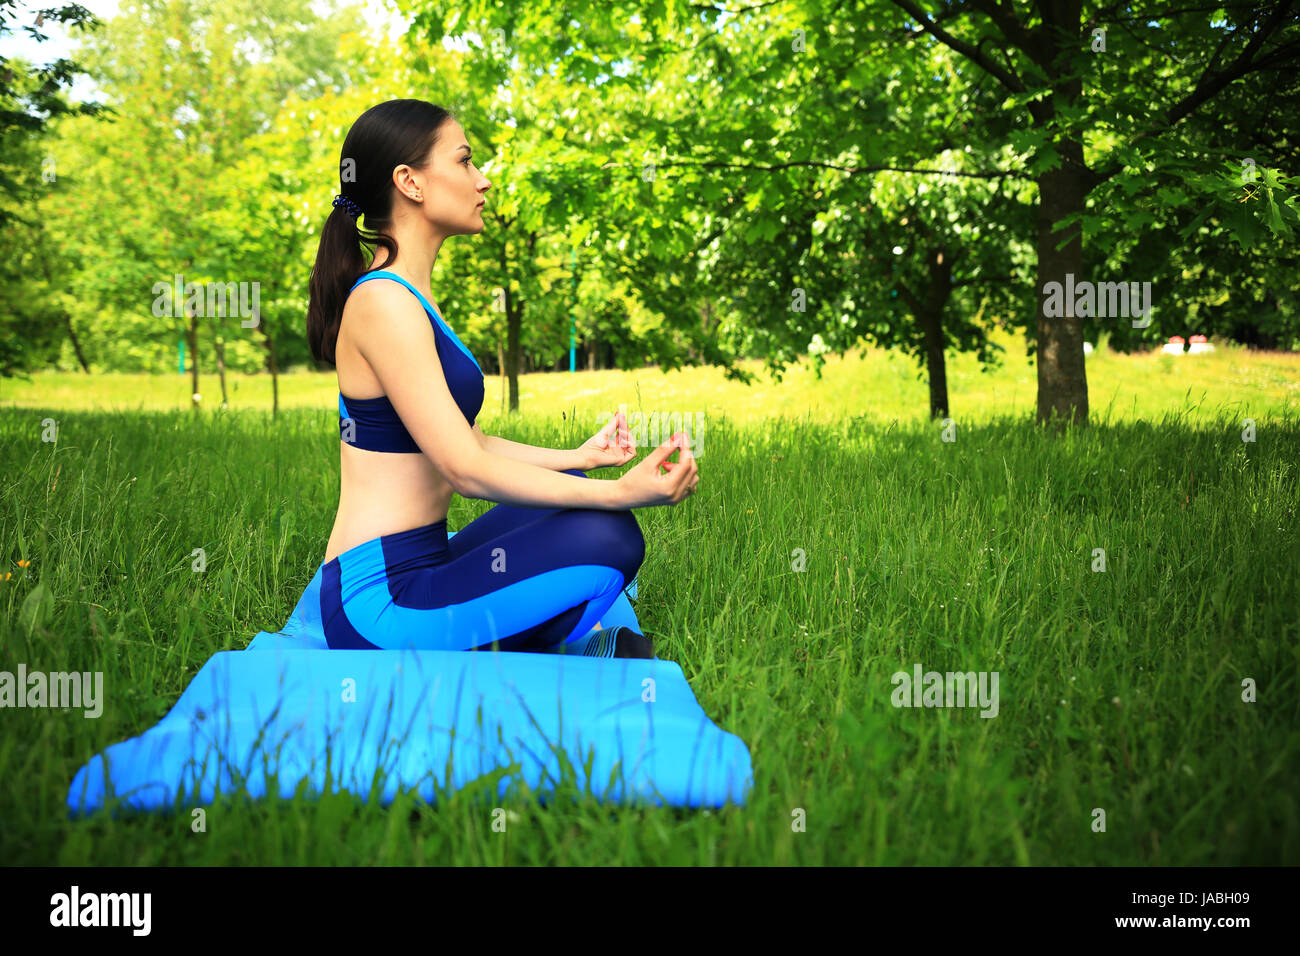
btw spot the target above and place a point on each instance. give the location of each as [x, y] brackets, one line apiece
[623, 537]
[625, 528]
[614, 536]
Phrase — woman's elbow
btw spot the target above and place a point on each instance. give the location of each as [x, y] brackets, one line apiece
[464, 479]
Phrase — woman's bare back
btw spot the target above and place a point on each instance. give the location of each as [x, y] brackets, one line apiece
[379, 492]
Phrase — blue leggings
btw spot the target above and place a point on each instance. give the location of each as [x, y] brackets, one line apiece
[527, 579]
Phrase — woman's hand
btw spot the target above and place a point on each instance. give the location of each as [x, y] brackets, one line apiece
[644, 487]
[612, 446]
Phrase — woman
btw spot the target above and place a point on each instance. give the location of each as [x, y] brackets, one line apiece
[536, 571]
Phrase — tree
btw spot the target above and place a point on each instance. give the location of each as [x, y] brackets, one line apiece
[1045, 58]
[172, 185]
[32, 324]
[1180, 60]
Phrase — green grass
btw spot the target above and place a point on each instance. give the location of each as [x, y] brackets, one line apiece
[1119, 689]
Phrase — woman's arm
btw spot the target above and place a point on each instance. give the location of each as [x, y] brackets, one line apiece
[555, 459]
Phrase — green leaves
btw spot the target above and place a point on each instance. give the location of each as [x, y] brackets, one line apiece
[1171, 197]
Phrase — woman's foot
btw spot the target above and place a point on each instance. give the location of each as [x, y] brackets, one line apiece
[628, 643]
[614, 641]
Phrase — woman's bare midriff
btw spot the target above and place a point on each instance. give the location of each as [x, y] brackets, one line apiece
[379, 492]
[382, 493]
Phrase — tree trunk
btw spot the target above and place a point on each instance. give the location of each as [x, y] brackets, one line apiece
[192, 335]
[514, 349]
[1062, 380]
[273, 369]
[932, 327]
[937, 370]
[76, 343]
[501, 370]
[929, 316]
[221, 370]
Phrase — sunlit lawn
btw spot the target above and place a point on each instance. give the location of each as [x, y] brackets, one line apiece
[880, 385]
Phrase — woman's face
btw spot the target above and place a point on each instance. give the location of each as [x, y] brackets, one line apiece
[454, 190]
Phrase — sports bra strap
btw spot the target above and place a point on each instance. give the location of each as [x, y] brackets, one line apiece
[385, 274]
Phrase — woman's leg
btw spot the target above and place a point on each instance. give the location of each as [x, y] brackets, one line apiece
[501, 518]
[497, 520]
[565, 570]
[524, 579]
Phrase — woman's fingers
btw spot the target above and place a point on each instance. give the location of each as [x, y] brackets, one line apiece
[686, 477]
[687, 458]
[670, 465]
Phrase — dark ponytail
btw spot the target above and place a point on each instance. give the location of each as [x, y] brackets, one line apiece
[383, 138]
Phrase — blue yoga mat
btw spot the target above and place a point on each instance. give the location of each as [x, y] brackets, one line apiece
[288, 709]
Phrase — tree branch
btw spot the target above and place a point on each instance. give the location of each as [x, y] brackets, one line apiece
[1006, 77]
[1211, 83]
[1028, 42]
[845, 169]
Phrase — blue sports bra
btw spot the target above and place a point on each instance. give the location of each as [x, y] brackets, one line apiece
[373, 424]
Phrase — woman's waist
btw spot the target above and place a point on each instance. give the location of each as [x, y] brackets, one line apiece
[390, 476]
[366, 516]
[370, 550]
